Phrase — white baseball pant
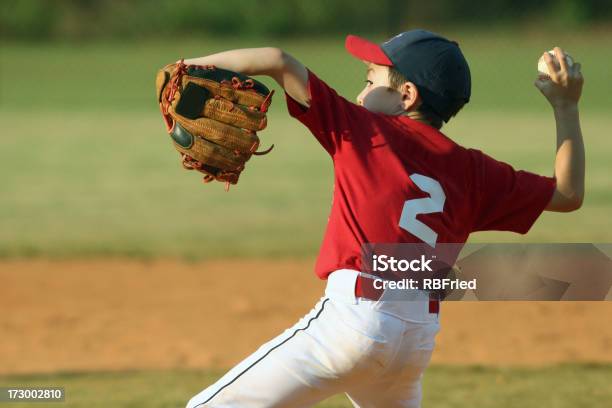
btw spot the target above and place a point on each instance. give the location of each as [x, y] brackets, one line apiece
[374, 351]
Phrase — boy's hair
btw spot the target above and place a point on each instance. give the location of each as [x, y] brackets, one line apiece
[424, 113]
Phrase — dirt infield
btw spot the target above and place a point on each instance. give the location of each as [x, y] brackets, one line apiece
[117, 314]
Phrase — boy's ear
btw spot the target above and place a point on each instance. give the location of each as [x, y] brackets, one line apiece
[410, 96]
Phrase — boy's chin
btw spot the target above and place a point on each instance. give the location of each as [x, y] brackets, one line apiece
[375, 109]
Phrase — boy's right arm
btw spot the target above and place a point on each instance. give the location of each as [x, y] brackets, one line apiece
[290, 74]
[512, 200]
[563, 90]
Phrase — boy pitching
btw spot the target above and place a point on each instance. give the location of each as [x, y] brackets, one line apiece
[397, 179]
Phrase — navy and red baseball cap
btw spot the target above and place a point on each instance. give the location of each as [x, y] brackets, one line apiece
[433, 63]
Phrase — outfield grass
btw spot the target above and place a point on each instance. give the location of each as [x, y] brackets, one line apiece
[86, 168]
[119, 76]
[84, 189]
[444, 387]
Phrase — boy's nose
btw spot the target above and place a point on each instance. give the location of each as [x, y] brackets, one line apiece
[359, 98]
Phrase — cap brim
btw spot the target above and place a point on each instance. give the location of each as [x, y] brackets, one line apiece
[366, 50]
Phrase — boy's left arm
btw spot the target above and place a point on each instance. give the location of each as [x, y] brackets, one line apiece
[290, 74]
[325, 113]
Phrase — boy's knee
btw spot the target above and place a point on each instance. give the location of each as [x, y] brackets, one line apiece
[194, 403]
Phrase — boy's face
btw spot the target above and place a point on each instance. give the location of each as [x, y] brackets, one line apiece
[377, 96]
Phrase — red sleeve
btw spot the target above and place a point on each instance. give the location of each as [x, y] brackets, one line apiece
[508, 200]
[328, 117]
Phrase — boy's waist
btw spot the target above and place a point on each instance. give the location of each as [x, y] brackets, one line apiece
[351, 286]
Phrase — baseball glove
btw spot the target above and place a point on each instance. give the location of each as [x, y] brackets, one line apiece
[212, 116]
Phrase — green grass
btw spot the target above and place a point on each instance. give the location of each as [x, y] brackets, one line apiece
[88, 189]
[444, 387]
[119, 76]
[86, 168]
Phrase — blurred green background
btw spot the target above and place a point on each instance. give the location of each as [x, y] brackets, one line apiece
[445, 387]
[86, 167]
[87, 19]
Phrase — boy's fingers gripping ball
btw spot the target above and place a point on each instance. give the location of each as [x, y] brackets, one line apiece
[543, 68]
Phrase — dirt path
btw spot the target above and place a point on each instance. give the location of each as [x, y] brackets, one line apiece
[116, 314]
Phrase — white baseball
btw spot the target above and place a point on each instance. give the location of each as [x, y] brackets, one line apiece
[543, 67]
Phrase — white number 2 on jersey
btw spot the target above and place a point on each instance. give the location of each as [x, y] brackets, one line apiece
[433, 204]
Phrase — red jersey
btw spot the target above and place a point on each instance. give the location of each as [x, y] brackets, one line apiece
[397, 180]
